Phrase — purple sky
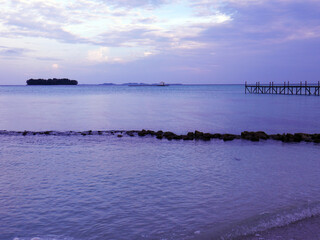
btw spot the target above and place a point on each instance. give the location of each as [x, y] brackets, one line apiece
[177, 41]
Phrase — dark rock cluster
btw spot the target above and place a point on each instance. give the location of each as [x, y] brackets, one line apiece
[251, 136]
[190, 136]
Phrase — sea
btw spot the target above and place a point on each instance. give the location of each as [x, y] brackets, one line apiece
[74, 187]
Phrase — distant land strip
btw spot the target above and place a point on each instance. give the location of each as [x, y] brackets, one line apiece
[190, 136]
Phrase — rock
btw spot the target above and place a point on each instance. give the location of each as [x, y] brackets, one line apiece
[130, 133]
[287, 137]
[159, 134]
[277, 137]
[142, 133]
[216, 135]
[152, 133]
[187, 138]
[228, 137]
[254, 136]
[198, 135]
[297, 137]
[169, 135]
[304, 137]
[206, 137]
[315, 138]
[262, 135]
[190, 134]
[177, 137]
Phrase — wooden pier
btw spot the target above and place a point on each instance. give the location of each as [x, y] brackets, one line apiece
[286, 88]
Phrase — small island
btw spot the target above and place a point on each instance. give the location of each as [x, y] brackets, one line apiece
[53, 81]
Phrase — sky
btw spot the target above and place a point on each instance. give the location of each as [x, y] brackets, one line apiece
[177, 41]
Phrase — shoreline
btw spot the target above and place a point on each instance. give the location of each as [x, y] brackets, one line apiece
[302, 229]
[190, 136]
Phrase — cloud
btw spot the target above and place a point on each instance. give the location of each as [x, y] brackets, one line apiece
[55, 66]
[178, 34]
[102, 55]
[147, 54]
[48, 59]
[99, 55]
[24, 25]
[136, 3]
[12, 52]
[261, 23]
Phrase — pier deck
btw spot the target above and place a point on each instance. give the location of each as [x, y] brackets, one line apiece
[286, 88]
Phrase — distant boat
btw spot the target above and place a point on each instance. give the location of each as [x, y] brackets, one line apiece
[162, 84]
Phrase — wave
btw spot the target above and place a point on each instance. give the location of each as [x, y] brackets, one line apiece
[268, 221]
[49, 237]
[246, 228]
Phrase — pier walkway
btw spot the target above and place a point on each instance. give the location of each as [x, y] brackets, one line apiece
[286, 88]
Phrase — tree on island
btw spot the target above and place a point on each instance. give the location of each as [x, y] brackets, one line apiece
[51, 81]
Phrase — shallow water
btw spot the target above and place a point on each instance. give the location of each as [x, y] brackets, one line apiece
[212, 108]
[104, 187]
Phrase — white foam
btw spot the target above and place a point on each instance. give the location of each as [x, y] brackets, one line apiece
[278, 220]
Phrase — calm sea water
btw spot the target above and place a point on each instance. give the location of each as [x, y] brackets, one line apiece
[177, 108]
[104, 187]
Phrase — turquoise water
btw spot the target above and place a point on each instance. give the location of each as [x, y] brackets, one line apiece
[104, 187]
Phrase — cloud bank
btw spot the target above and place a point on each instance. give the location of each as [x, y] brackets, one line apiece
[204, 41]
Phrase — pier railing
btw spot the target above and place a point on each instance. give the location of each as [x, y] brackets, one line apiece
[286, 88]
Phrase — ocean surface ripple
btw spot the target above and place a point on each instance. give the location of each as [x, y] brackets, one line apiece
[58, 187]
[70, 187]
